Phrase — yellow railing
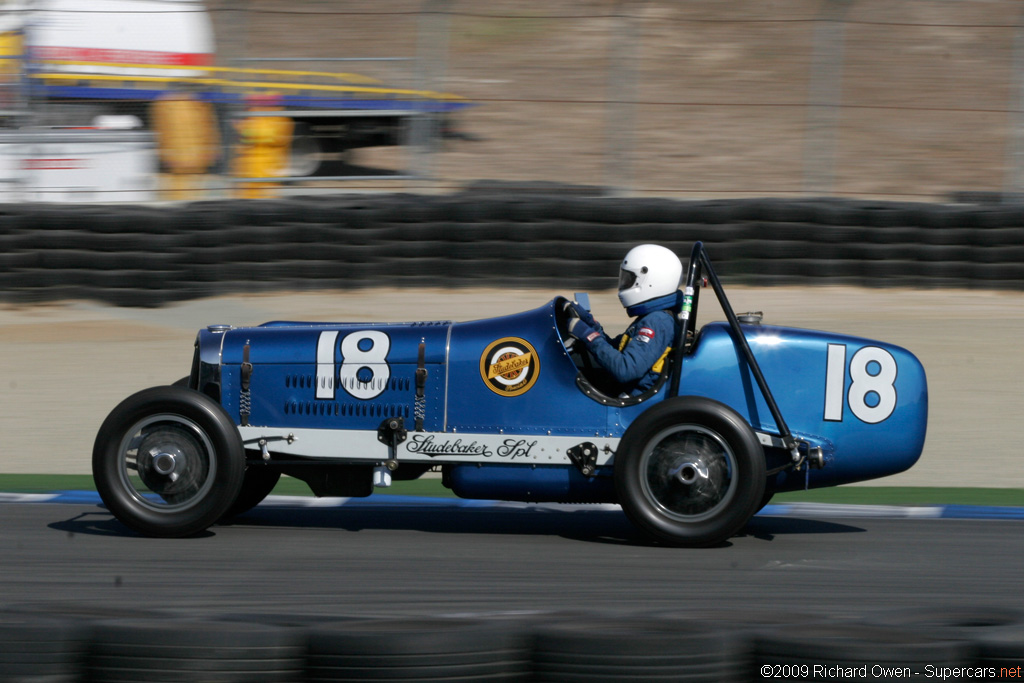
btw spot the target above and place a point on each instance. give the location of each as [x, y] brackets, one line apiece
[355, 84]
[329, 75]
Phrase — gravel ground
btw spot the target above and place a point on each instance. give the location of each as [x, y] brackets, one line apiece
[66, 365]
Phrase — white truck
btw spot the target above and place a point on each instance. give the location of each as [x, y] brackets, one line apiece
[95, 65]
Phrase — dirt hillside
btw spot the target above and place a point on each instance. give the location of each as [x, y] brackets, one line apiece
[898, 100]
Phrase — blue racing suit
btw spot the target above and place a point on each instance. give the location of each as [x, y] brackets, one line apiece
[635, 358]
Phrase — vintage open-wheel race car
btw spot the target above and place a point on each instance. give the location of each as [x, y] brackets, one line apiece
[509, 408]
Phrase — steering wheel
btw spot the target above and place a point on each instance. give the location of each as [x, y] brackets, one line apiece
[564, 315]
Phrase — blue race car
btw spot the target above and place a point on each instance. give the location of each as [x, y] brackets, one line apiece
[510, 408]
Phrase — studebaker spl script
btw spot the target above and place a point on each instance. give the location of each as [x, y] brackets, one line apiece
[428, 444]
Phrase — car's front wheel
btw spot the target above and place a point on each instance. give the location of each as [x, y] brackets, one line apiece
[690, 471]
[257, 484]
[168, 461]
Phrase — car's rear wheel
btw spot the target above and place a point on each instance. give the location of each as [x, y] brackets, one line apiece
[690, 471]
[168, 461]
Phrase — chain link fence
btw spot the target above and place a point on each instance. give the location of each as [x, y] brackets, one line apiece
[917, 100]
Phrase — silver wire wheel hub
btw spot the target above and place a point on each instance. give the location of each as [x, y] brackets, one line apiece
[688, 472]
[167, 462]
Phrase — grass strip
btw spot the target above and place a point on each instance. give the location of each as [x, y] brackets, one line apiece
[431, 487]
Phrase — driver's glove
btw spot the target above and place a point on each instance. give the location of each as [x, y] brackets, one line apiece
[577, 311]
[582, 331]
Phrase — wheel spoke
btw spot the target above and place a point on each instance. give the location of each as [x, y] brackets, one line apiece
[173, 460]
[688, 472]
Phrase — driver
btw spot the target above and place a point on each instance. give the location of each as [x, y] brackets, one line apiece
[649, 291]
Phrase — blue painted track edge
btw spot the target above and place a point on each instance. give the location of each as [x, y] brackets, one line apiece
[382, 500]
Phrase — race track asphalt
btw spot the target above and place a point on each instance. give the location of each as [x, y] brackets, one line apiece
[437, 559]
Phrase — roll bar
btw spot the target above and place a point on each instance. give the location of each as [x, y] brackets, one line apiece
[700, 263]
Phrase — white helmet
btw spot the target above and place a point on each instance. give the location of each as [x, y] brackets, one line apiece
[649, 271]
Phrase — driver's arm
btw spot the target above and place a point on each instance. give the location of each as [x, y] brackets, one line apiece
[639, 354]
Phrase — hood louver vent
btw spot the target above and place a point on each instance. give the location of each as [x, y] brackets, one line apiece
[309, 382]
[331, 408]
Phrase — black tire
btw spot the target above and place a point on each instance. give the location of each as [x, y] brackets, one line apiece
[258, 482]
[40, 648]
[170, 650]
[421, 649]
[1001, 648]
[690, 472]
[186, 457]
[952, 622]
[851, 645]
[627, 648]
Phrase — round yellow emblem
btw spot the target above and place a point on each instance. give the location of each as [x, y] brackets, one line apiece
[509, 366]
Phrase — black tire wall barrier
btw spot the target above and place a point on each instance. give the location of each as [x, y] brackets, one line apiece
[731, 648]
[150, 255]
